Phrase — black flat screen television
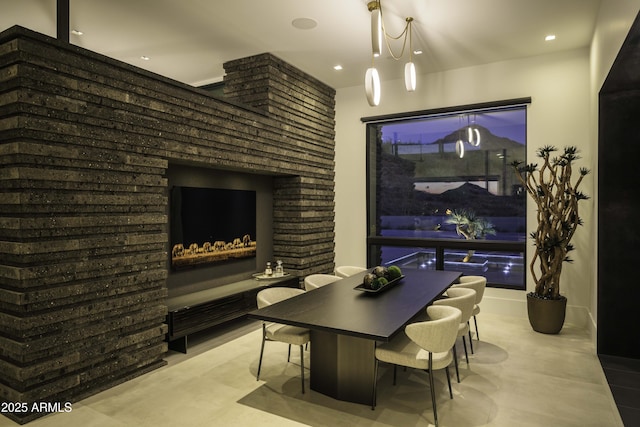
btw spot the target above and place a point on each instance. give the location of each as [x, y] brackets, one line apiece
[211, 225]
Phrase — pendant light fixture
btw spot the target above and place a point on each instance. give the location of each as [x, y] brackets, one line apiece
[474, 133]
[376, 29]
[378, 32]
[459, 142]
[410, 68]
[372, 86]
[460, 148]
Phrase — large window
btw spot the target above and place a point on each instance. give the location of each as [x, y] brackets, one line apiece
[442, 194]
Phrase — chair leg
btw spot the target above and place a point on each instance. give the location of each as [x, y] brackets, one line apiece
[449, 381]
[475, 321]
[433, 393]
[289, 354]
[455, 361]
[302, 366]
[464, 342]
[375, 385]
[470, 340]
[264, 336]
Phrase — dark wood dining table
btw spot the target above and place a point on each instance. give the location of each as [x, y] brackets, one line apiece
[346, 324]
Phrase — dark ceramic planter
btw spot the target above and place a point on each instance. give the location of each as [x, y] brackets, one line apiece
[546, 315]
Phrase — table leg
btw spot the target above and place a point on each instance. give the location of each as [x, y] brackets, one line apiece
[342, 366]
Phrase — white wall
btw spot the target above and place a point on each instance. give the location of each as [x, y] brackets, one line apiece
[564, 110]
[559, 114]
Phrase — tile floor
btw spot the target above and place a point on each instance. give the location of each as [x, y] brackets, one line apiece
[623, 376]
[515, 378]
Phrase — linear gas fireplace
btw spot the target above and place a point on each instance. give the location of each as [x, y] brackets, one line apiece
[211, 225]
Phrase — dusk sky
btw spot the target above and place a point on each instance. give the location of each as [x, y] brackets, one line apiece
[508, 123]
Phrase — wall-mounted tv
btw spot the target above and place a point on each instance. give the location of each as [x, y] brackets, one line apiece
[211, 225]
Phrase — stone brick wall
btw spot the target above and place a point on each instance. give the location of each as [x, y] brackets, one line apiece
[303, 203]
[84, 145]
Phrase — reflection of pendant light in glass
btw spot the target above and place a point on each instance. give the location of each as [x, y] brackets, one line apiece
[474, 133]
[459, 142]
[460, 148]
[372, 86]
[470, 135]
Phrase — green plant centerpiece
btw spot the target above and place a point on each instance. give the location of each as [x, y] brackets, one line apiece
[380, 276]
[557, 198]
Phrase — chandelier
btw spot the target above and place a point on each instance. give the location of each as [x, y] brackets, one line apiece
[378, 34]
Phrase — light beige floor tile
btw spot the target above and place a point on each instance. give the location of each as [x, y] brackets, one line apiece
[516, 377]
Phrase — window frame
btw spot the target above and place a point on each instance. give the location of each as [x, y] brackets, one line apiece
[440, 245]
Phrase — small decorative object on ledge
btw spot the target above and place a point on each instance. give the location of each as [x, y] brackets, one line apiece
[270, 273]
[219, 251]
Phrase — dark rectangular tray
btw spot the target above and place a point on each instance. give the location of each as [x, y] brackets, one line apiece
[391, 283]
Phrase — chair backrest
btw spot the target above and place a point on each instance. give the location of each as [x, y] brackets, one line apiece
[276, 294]
[477, 283]
[440, 332]
[461, 298]
[314, 281]
[348, 270]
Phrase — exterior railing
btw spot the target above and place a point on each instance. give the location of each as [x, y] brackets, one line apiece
[502, 262]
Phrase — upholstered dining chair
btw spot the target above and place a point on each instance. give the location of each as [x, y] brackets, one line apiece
[423, 345]
[478, 284]
[291, 335]
[315, 281]
[348, 270]
[463, 299]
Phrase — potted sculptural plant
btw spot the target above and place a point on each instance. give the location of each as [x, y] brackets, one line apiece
[557, 200]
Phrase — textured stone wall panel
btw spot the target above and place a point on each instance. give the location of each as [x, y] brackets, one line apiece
[85, 142]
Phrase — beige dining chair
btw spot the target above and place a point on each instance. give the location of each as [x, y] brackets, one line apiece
[478, 284]
[463, 299]
[423, 345]
[348, 270]
[315, 281]
[291, 335]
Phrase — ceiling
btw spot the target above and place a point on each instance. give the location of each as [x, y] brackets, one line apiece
[189, 40]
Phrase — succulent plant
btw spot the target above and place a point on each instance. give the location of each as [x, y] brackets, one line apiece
[393, 272]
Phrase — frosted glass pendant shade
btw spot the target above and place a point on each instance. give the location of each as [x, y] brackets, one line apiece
[410, 76]
[376, 32]
[460, 148]
[372, 86]
[473, 135]
[476, 140]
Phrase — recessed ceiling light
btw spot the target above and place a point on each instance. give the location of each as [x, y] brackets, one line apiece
[145, 58]
[77, 32]
[337, 67]
[304, 23]
[550, 37]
